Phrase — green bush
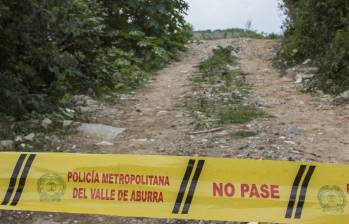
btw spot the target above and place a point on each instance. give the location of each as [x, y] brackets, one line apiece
[318, 30]
[52, 49]
[334, 65]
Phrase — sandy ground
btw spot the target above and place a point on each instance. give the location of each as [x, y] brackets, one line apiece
[298, 126]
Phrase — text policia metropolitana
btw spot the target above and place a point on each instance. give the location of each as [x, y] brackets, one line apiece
[117, 178]
[93, 177]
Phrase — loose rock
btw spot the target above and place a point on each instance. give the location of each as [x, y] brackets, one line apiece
[30, 137]
[341, 99]
[104, 132]
[291, 142]
[67, 123]
[19, 138]
[295, 130]
[7, 145]
[300, 78]
[85, 104]
[104, 143]
[45, 222]
[307, 62]
[140, 140]
[46, 123]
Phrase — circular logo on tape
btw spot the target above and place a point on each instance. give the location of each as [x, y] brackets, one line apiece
[332, 199]
[51, 187]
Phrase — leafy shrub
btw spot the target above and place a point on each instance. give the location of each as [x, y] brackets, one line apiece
[334, 65]
[318, 30]
[50, 50]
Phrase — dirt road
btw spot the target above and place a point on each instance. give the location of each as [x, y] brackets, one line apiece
[320, 132]
[298, 126]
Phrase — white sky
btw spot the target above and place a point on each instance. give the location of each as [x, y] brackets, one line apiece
[221, 14]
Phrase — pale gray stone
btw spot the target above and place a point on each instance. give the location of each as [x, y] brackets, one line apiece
[104, 132]
[67, 123]
[30, 137]
[46, 123]
[342, 99]
[45, 222]
[7, 145]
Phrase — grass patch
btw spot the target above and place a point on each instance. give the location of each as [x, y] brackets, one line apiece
[239, 115]
[219, 91]
[244, 134]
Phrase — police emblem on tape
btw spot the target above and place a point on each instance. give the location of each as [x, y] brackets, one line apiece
[51, 187]
[332, 199]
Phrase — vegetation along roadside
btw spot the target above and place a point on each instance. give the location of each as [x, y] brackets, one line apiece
[219, 92]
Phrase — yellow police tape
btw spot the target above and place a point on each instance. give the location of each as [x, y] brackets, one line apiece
[175, 187]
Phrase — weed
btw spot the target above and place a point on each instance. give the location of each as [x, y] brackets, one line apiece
[239, 115]
[220, 89]
[244, 134]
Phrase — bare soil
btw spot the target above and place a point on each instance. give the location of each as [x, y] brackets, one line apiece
[298, 126]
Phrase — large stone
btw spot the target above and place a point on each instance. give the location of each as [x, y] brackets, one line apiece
[104, 132]
[7, 145]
